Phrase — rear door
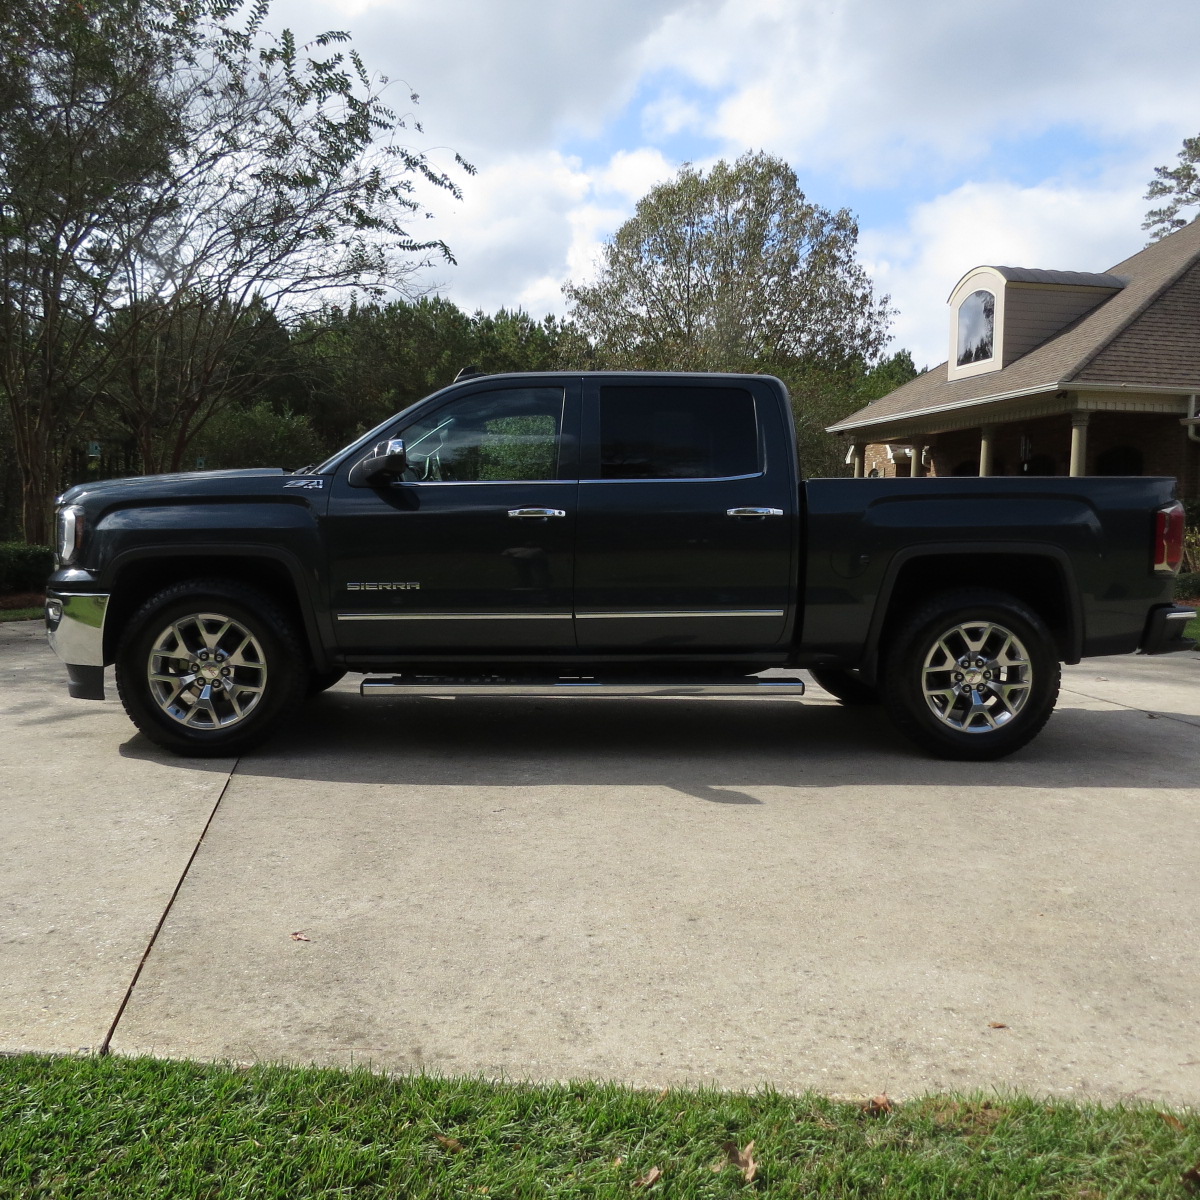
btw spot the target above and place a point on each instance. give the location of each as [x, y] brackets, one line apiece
[687, 516]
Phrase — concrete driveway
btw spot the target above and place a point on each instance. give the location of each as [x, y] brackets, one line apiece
[737, 892]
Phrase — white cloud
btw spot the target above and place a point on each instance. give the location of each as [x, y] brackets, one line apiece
[870, 87]
[1054, 226]
[532, 221]
[911, 97]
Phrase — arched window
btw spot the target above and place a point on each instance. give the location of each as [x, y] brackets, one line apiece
[976, 328]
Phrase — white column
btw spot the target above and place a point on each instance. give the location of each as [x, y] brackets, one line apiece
[918, 466]
[986, 437]
[860, 452]
[1079, 428]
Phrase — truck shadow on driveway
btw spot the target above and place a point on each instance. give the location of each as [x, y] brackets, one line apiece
[710, 749]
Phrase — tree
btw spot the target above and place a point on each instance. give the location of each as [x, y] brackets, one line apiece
[365, 361]
[1179, 186]
[729, 269]
[738, 271]
[86, 128]
[167, 172]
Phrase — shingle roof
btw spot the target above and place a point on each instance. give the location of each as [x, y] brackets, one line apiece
[1147, 333]
[1072, 278]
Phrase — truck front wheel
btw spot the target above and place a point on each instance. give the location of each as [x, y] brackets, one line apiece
[972, 674]
[210, 667]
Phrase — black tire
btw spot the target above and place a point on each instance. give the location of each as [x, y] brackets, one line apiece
[994, 704]
[322, 681]
[847, 686]
[253, 677]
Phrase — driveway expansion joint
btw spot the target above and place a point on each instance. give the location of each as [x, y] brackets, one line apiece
[103, 1049]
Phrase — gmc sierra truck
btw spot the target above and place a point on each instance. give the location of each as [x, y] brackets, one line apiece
[604, 534]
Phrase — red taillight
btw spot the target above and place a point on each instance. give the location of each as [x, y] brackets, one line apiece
[1168, 538]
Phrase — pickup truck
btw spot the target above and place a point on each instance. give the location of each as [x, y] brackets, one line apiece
[604, 533]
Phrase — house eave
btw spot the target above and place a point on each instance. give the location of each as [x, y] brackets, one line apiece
[999, 397]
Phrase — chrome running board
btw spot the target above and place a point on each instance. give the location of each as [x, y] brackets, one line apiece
[440, 685]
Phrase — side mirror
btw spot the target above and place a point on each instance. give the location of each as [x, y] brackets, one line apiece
[385, 463]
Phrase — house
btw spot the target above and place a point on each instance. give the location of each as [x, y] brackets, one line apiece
[1054, 373]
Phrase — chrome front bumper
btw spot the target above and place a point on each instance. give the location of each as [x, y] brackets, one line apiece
[75, 630]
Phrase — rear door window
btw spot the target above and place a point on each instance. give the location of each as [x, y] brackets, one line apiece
[649, 432]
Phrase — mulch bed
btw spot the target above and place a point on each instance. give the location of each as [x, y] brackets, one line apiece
[22, 600]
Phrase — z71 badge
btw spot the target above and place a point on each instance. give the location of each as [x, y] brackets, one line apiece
[308, 484]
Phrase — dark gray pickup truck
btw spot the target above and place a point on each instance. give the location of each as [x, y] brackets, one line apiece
[604, 534]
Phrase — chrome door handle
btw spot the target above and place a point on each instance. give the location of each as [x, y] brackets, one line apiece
[535, 514]
[754, 512]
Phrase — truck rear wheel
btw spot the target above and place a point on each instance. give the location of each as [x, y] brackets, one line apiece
[210, 667]
[972, 674]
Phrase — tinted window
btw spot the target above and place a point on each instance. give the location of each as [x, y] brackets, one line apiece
[677, 433]
[508, 434]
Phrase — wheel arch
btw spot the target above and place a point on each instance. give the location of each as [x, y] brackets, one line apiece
[137, 575]
[1038, 575]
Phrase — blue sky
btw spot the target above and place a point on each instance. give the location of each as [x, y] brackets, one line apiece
[1021, 132]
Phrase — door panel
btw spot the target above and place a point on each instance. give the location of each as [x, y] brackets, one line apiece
[661, 565]
[454, 557]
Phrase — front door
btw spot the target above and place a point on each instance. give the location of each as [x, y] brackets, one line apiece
[686, 539]
[471, 551]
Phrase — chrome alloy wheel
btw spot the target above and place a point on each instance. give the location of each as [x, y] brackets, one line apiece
[977, 677]
[207, 671]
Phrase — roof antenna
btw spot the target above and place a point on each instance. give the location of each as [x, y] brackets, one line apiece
[468, 373]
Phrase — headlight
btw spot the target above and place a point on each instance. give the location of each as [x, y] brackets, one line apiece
[70, 533]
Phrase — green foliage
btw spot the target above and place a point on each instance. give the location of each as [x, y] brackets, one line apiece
[1179, 187]
[366, 361]
[24, 568]
[257, 436]
[728, 270]
[1187, 585]
[169, 174]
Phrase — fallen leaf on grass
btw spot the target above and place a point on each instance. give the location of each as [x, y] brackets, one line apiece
[298, 936]
[1172, 1120]
[451, 1144]
[742, 1159]
[877, 1105]
[1191, 1179]
[650, 1178]
[663, 1095]
[997, 1025]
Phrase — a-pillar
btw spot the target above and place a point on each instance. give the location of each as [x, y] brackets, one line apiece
[859, 459]
[987, 438]
[1079, 427]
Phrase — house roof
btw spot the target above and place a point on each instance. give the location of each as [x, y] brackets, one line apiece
[1144, 334]
[1037, 275]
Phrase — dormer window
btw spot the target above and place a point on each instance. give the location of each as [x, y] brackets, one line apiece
[976, 328]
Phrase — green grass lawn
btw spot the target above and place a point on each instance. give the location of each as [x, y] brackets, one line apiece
[126, 1128]
[20, 614]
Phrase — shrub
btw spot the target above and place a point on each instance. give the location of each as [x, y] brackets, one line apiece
[24, 568]
[1187, 586]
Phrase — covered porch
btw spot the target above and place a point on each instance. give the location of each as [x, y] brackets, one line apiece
[1066, 433]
